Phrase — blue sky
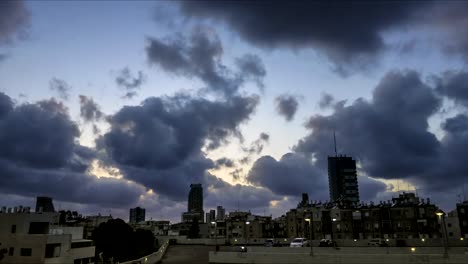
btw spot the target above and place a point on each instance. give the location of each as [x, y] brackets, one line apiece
[87, 43]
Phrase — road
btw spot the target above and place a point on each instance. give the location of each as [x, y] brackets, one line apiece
[192, 254]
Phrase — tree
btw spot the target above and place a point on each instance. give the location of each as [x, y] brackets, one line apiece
[114, 239]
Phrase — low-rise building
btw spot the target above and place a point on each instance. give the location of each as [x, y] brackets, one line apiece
[37, 238]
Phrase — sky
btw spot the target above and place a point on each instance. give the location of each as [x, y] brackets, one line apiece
[109, 105]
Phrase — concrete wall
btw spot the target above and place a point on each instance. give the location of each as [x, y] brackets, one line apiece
[152, 258]
[280, 258]
[360, 250]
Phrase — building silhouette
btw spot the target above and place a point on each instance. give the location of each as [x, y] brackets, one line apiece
[44, 204]
[342, 178]
[211, 216]
[137, 215]
[195, 204]
[220, 213]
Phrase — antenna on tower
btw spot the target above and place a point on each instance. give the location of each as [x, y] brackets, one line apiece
[334, 140]
[463, 189]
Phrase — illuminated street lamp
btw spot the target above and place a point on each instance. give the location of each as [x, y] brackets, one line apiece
[333, 220]
[310, 235]
[441, 216]
[245, 238]
[216, 236]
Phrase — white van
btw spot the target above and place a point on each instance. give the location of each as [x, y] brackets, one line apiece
[299, 242]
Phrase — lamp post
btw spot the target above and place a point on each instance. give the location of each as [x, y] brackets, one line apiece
[310, 235]
[333, 220]
[245, 238]
[216, 236]
[441, 216]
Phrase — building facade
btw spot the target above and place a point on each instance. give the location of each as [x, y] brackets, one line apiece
[137, 215]
[194, 205]
[36, 238]
[44, 204]
[342, 178]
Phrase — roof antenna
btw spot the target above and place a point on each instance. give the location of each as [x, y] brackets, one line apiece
[334, 140]
[464, 197]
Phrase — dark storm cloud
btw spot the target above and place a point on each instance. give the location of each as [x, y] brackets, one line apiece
[369, 189]
[388, 135]
[454, 85]
[130, 83]
[14, 18]
[163, 132]
[292, 175]
[348, 33]
[61, 87]
[234, 197]
[89, 110]
[171, 182]
[200, 56]
[159, 143]
[37, 135]
[448, 22]
[286, 105]
[39, 156]
[224, 162]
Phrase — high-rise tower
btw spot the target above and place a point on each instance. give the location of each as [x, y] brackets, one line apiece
[195, 198]
[195, 204]
[44, 204]
[342, 178]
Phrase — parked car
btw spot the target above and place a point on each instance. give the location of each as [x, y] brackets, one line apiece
[377, 242]
[272, 243]
[327, 243]
[299, 242]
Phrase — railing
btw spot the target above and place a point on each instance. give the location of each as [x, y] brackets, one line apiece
[152, 258]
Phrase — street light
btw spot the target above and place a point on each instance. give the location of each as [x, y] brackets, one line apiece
[333, 220]
[216, 236]
[310, 235]
[245, 233]
[441, 216]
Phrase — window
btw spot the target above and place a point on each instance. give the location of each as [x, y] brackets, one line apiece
[52, 250]
[11, 252]
[451, 234]
[13, 229]
[26, 252]
[38, 228]
[449, 225]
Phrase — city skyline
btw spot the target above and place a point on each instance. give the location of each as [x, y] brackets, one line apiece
[131, 105]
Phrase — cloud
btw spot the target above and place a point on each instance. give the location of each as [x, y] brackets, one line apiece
[389, 135]
[286, 105]
[39, 156]
[149, 143]
[89, 110]
[129, 82]
[200, 56]
[61, 87]
[224, 162]
[349, 34]
[453, 85]
[234, 197]
[448, 23]
[14, 19]
[326, 100]
[292, 175]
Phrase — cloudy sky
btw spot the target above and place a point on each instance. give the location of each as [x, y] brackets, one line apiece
[110, 105]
